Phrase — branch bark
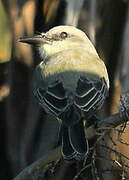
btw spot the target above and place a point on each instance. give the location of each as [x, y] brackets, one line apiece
[111, 122]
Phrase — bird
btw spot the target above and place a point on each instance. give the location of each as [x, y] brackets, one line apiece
[71, 82]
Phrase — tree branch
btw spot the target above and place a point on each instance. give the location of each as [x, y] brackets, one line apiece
[111, 122]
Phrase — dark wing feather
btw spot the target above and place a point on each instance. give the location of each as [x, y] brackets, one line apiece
[53, 99]
[56, 90]
[90, 95]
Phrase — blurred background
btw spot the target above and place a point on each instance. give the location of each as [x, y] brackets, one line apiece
[26, 131]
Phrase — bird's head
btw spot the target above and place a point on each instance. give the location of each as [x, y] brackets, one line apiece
[58, 39]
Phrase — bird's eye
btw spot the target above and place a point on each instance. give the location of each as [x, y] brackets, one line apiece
[43, 36]
[63, 35]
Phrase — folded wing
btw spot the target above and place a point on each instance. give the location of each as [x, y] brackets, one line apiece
[53, 99]
[90, 95]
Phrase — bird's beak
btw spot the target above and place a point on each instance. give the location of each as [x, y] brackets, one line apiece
[37, 39]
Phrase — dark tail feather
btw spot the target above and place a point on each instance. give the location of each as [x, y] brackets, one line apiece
[74, 143]
[67, 149]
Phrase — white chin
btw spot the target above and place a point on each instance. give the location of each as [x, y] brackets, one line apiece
[42, 52]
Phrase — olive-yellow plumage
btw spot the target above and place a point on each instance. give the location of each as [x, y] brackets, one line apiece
[75, 60]
[70, 79]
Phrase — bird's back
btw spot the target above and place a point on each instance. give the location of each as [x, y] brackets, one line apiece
[68, 66]
[71, 78]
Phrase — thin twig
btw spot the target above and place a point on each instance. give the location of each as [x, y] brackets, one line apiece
[82, 170]
[108, 123]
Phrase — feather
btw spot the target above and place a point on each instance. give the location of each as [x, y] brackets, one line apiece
[67, 150]
[74, 143]
[90, 94]
[54, 98]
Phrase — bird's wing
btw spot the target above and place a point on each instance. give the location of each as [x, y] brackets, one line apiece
[53, 99]
[90, 95]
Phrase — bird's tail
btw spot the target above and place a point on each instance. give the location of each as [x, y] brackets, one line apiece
[74, 143]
